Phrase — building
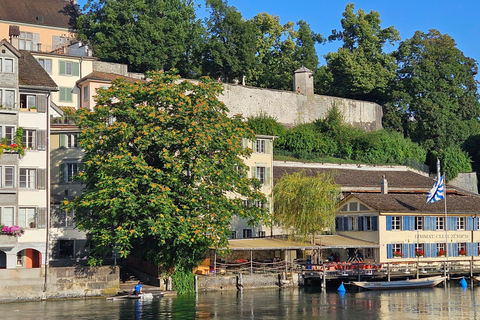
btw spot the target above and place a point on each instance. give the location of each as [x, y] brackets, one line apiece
[25, 91]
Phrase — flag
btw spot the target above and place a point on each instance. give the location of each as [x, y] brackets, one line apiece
[437, 192]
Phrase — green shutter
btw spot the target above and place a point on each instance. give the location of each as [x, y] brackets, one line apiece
[68, 95]
[254, 172]
[61, 67]
[62, 173]
[63, 139]
[267, 176]
[62, 94]
[76, 69]
[268, 146]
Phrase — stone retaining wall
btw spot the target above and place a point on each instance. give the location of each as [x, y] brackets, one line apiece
[249, 281]
[67, 282]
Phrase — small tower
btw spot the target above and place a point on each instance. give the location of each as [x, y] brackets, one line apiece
[303, 81]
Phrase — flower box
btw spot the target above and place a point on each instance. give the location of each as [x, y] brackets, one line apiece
[419, 253]
[462, 252]
[397, 254]
[441, 253]
[8, 240]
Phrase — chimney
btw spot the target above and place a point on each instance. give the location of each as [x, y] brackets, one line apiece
[303, 81]
[14, 33]
[384, 185]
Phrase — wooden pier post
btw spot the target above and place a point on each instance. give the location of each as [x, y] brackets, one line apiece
[388, 271]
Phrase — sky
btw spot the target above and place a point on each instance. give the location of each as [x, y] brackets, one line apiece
[457, 18]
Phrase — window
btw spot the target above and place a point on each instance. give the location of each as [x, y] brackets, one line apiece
[419, 250]
[418, 223]
[397, 250]
[440, 223]
[27, 178]
[441, 249]
[28, 101]
[233, 235]
[8, 65]
[260, 146]
[72, 169]
[7, 132]
[68, 68]
[353, 223]
[353, 206]
[85, 93]
[261, 234]
[25, 41]
[6, 216]
[20, 258]
[462, 249]
[66, 248]
[368, 223]
[29, 138]
[27, 218]
[66, 94]
[46, 64]
[461, 223]
[396, 223]
[8, 97]
[369, 253]
[260, 174]
[247, 233]
[69, 140]
[62, 218]
[7, 177]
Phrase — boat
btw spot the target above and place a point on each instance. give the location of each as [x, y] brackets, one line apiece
[141, 296]
[400, 284]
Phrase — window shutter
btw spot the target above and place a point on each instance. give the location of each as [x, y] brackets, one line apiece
[470, 246]
[412, 223]
[433, 223]
[450, 250]
[389, 223]
[41, 179]
[345, 223]
[41, 140]
[61, 67]
[405, 250]
[375, 223]
[455, 249]
[41, 217]
[268, 146]
[428, 252]
[255, 146]
[62, 94]
[470, 224]
[412, 250]
[406, 224]
[475, 223]
[76, 69]
[339, 223]
[254, 172]
[41, 103]
[389, 251]
[475, 249]
[360, 223]
[267, 176]
[63, 139]
[62, 173]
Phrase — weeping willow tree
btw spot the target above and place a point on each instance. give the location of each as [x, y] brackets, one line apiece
[306, 205]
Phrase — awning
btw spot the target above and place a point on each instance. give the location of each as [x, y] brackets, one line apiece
[321, 242]
[340, 242]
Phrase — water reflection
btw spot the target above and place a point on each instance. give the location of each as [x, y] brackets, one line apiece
[451, 302]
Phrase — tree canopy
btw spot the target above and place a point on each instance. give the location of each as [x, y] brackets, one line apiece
[306, 205]
[163, 171]
[145, 34]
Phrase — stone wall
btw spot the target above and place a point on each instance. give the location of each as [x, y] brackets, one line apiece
[291, 109]
[69, 282]
[467, 181]
[249, 281]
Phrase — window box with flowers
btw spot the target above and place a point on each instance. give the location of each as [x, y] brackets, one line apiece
[441, 253]
[397, 254]
[14, 231]
[419, 253]
[462, 252]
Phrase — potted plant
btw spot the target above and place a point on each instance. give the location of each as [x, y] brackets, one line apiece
[462, 252]
[397, 254]
[441, 253]
[419, 253]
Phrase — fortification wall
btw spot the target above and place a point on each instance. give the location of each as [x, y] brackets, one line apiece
[291, 108]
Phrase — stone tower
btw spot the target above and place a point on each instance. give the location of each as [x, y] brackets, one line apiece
[303, 81]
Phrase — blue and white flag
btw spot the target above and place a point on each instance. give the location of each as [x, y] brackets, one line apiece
[437, 192]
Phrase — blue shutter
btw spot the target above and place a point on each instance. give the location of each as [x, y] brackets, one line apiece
[375, 223]
[434, 250]
[470, 246]
[427, 250]
[450, 250]
[451, 223]
[470, 223]
[360, 223]
[475, 223]
[389, 251]
[345, 223]
[406, 224]
[475, 249]
[455, 249]
[412, 250]
[405, 250]
[427, 223]
[433, 223]
[389, 223]
[412, 223]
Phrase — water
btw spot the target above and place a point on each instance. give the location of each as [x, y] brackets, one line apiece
[452, 302]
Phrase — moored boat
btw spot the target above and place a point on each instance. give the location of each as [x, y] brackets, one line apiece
[400, 284]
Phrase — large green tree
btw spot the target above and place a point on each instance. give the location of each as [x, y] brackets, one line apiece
[435, 100]
[229, 51]
[305, 205]
[163, 171]
[360, 69]
[145, 34]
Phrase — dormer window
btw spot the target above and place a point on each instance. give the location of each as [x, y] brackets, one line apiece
[6, 65]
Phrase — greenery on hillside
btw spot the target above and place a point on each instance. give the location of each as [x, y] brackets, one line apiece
[163, 173]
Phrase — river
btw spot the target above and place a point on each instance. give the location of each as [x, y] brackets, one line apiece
[451, 302]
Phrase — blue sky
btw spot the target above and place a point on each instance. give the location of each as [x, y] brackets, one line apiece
[459, 18]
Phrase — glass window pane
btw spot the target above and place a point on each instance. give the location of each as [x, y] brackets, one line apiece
[8, 65]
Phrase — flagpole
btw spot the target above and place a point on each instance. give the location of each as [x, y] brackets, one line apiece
[445, 223]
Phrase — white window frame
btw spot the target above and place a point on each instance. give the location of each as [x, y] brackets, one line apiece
[12, 95]
[440, 223]
[396, 223]
[397, 247]
[27, 217]
[419, 222]
[353, 223]
[261, 146]
[71, 169]
[72, 140]
[28, 178]
[10, 211]
[68, 68]
[85, 93]
[462, 246]
[368, 223]
[46, 64]
[247, 233]
[261, 174]
[11, 172]
[29, 139]
[461, 224]
[10, 67]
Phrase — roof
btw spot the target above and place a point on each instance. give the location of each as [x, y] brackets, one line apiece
[54, 13]
[416, 203]
[321, 242]
[31, 73]
[362, 179]
[105, 76]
